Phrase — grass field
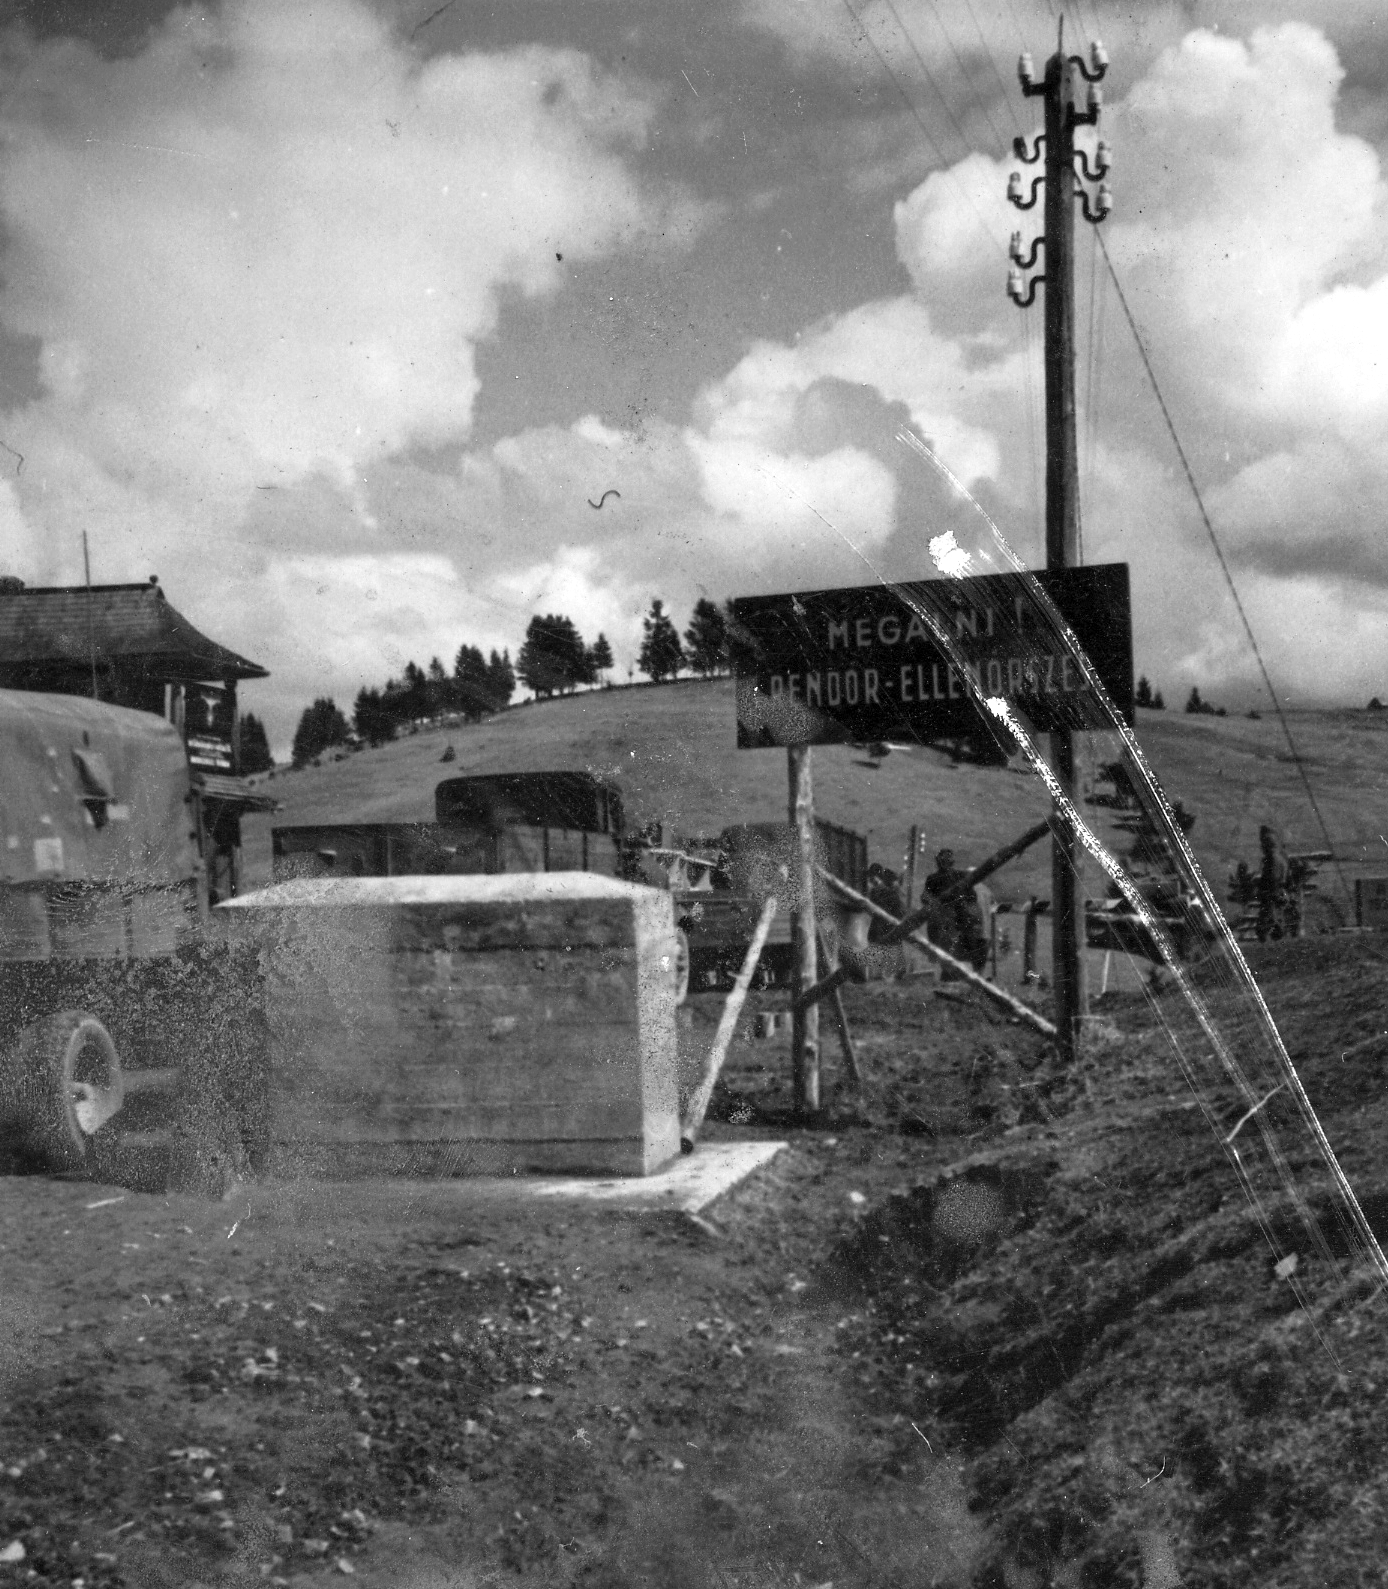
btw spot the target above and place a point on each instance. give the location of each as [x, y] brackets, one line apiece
[673, 751]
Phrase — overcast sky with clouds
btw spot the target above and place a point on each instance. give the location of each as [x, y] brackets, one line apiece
[336, 315]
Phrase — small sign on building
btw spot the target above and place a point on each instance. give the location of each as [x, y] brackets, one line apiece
[212, 754]
[864, 664]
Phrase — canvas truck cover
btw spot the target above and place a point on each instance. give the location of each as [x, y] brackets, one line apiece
[493, 801]
[92, 794]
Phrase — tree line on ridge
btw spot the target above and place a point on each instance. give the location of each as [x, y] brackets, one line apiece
[554, 659]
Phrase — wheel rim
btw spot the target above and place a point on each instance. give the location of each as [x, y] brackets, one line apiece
[92, 1077]
[681, 967]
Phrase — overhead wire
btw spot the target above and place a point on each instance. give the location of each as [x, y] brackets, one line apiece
[1089, 424]
[1223, 562]
[1036, 471]
[988, 51]
[1029, 355]
[920, 121]
[1100, 339]
[958, 61]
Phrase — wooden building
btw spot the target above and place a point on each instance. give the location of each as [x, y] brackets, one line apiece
[129, 646]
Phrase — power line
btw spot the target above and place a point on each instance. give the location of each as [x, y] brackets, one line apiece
[1091, 422]
[1223, 563]
[988, 51]
[958, 61]
[926, 72]
[919, 121]
[1032, 401]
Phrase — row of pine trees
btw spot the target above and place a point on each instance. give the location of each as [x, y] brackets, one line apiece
[553, 660]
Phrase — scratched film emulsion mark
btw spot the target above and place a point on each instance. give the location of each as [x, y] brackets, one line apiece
[1236, 1064]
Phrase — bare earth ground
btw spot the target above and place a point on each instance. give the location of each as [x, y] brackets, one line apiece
[1073, 1364]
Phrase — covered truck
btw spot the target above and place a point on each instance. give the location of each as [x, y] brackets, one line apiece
[498, 822]
[574, 821]
[127, 1037]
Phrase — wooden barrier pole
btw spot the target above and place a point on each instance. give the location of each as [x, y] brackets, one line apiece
[836, 1009]
[805, 1017]
[906, 927]
[1023, 1012]
[698, 1104]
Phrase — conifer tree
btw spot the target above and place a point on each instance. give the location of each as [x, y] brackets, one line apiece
[706, 639]
[255, 746]
[501, 680]
[661, 655]
[599, 659]
[321, 727]
[372, 718]
[553, 659]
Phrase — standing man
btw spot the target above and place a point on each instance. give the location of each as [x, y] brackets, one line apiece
[957, 925]
[1272, 886]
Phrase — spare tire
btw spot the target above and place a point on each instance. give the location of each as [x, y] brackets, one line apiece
[63, 1082]
[681, 966]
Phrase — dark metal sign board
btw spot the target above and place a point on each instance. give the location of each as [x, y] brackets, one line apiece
[837, 666]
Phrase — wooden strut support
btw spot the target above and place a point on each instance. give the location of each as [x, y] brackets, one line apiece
[698, 1104]
[804, 1016]
[906, 928]
[836, 1009]
[1023, 1012]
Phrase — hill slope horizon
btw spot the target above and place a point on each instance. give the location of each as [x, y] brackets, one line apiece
[672, 749]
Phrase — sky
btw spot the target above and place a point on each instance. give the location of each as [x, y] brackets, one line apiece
[338, 316]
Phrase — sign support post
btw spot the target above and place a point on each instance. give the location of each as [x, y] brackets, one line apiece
[804, 1020]
[1062, 187]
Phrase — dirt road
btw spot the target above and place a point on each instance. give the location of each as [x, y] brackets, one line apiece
[402, 1384]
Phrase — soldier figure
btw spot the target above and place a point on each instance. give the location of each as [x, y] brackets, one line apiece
[1272, 886]
[884, 890]
[956, 926]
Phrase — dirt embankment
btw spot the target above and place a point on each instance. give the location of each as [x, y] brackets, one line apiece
[1090, 1314]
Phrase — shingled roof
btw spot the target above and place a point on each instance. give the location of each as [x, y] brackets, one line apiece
[134, 625]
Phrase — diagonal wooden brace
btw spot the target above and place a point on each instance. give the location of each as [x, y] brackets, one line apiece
[910, 925]
[1023, 1012]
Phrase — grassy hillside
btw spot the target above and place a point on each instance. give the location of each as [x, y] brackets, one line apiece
[673, 751]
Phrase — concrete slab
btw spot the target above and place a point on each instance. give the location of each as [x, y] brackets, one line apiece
[687, 1186]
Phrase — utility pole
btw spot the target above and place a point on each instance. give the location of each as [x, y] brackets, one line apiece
[1064, 182]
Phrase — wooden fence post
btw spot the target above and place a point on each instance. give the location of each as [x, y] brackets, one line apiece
[805, 1021]
[913, 844]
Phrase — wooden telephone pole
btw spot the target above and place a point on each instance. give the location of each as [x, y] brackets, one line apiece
[1064, 182]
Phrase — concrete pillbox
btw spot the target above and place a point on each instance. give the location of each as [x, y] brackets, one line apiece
[469, 1024]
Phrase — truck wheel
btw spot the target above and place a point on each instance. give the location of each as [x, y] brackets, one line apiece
[65, 1083]
[681, 966]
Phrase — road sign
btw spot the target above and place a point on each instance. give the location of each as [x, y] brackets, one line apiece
[834, 666]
